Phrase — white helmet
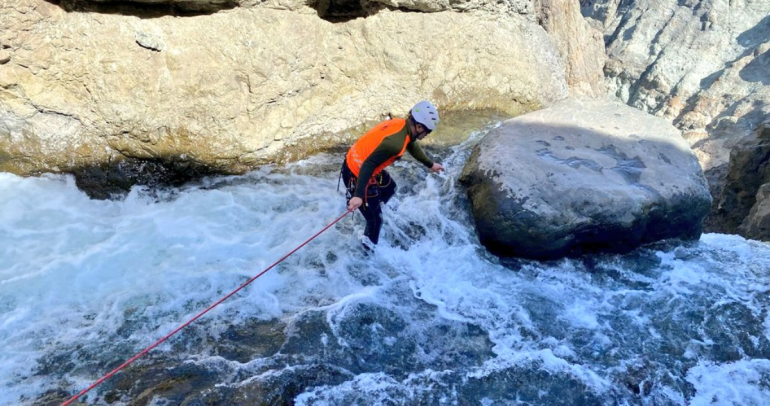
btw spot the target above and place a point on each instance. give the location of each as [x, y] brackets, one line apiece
[425, 113]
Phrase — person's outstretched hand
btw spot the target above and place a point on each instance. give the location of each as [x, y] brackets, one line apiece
[355, 203]
[437, 168]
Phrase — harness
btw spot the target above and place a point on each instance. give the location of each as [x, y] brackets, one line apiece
[381, 179]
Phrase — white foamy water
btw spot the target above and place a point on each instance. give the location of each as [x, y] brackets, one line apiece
[431, 318]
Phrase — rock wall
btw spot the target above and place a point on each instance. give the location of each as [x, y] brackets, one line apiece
[83, 86]
[743, 203]
[704, 65]
[580, 45]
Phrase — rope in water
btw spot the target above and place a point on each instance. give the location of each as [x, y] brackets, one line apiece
[157, 343]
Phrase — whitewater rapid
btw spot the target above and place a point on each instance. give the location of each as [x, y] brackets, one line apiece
[430, 318]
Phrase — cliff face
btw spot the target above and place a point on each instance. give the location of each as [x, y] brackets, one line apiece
[580, 45]
[88, 83]
[704, 65]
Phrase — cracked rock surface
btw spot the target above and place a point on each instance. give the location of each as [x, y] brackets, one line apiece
[227, 90]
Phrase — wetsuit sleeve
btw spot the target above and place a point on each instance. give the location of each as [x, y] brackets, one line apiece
[375, 159]
[416, 151]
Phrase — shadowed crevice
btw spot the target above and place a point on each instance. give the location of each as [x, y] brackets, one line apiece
[146, 10]
[340, 11]
[334, 11]
[115, 179]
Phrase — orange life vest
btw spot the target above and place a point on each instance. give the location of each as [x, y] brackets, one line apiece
[370, 141]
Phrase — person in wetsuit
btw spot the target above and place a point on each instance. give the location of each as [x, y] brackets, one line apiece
[368, 183]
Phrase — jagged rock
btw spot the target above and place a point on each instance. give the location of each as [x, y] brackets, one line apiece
[581, 46]
[584, 175]
[149, 41]
[495, 6]
[238, 88]
[702, 63]
[417, 5]
[757, 223]
[739, 203]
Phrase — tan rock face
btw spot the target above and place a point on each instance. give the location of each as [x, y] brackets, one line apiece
[235, 88]
[581, 46]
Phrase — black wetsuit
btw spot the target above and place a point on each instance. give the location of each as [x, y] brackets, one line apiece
[383, 187]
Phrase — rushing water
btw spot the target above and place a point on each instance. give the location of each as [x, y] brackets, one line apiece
[430, 318]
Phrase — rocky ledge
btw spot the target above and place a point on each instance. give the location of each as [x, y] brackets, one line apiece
[225, 86]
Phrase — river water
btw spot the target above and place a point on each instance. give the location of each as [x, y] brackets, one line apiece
[429, 319]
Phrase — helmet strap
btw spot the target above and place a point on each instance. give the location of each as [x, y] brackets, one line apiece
[413, 128]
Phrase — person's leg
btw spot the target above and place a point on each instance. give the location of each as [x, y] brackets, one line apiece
[377, 195]
[370, 209]
[372, 212]
[386, 186]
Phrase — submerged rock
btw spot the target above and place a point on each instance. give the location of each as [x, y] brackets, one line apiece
[584, 175]
[115, 179]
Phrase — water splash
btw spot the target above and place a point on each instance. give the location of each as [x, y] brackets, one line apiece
[430, 318]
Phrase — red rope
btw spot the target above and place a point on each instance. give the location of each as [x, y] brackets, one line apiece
[157, 343]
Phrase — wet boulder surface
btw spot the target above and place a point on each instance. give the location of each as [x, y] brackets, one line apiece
[584, 176]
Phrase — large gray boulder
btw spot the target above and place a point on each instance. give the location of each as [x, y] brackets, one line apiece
[584, 175]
